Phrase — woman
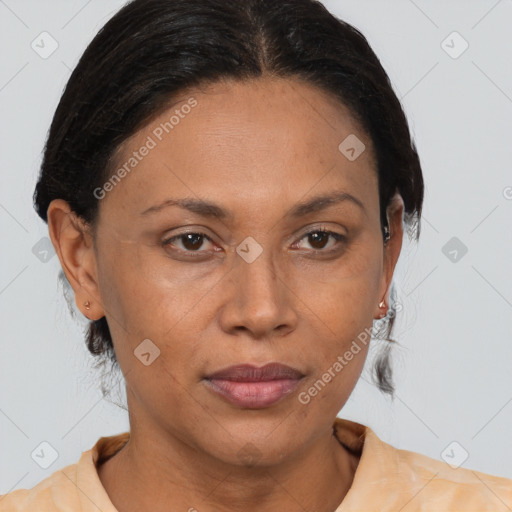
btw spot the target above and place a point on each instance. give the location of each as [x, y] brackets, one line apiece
[226, 184]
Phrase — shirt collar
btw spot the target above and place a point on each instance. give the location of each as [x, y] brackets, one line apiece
[358, 439]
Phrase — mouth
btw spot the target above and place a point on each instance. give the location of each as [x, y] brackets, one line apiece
[252, 387]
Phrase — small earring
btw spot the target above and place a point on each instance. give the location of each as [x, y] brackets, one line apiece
[87, 305]
[387, 236]
[382, 305]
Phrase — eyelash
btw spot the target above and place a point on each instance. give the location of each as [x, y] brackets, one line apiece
[337, 236]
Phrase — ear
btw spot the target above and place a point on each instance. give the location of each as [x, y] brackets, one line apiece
[73, 243]
[392, 249]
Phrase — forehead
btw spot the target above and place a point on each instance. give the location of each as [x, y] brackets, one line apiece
[249, 143]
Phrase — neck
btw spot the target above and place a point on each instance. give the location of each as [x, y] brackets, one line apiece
[160, 472]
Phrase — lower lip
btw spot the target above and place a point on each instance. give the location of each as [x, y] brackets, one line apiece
[254, 395]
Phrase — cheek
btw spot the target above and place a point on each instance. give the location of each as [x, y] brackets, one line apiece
[342, 296]
[341, 317]
[146, 298]
[338, 346]
[144, 292]
[149, 297]
[340, 313]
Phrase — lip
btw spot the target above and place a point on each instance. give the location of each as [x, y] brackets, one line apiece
[253, 387]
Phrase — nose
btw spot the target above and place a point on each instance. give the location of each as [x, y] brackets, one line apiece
[260, 302]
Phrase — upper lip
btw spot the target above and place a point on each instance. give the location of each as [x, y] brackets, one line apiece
[251, 373]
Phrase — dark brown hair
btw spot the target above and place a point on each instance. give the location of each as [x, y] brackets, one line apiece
[151, 50]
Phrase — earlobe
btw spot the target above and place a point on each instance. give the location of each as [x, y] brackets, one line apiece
[73, 244]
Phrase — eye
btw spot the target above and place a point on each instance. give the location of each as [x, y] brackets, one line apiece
[319, 239]
[190, 242]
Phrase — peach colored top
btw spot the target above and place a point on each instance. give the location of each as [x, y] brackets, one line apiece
[386, 479]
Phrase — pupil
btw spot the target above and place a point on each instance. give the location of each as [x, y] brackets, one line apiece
[189, 244]
[318, 236]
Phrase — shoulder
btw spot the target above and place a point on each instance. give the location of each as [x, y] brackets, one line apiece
[423, 483]
[42, 497]
[74, 487]
[391, 479]
[463, 488]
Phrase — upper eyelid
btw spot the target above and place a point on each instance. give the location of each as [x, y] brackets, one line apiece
[201, 231]
[309, 231]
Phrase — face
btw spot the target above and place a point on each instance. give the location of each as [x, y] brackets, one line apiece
[240, 274]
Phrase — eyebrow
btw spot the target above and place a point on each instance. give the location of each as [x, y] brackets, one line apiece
[212, 210]
[322, 202]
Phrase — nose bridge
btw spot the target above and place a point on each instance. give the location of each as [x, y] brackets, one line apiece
[257, 280]
[260, 300]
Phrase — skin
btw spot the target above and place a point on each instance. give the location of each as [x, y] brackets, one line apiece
[256, 149]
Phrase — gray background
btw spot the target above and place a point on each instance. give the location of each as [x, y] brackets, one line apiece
[453, 369]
